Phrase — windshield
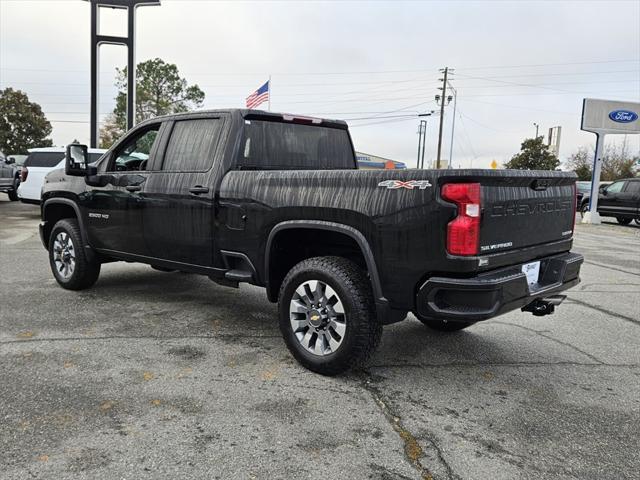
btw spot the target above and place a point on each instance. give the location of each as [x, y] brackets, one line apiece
[289, 146]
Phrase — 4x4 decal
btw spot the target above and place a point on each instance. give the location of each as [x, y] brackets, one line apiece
[409, 184]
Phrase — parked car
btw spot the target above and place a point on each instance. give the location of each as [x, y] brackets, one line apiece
[583, 193]
[38, 164]
[620, 199]
[9, 176]
[278, 201]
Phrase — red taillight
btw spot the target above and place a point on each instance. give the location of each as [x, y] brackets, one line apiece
[463, 232]
[24, 173]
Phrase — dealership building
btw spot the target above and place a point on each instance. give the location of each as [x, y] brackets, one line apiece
[366, 161]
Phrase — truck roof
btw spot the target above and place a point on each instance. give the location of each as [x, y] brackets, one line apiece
[251, 114]
[62, 150]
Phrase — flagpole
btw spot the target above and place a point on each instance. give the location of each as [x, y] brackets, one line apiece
[269, 92]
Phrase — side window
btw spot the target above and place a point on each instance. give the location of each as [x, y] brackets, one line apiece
[615, 187]
[633, 187]
[134, 154]
[44, 159]
[192, 145]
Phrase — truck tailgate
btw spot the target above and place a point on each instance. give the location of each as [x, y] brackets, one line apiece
[522, 211]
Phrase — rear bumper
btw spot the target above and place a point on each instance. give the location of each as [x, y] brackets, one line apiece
[7, 184]
[495, 292]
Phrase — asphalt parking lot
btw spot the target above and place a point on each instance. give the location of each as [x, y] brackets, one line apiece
[167, 375]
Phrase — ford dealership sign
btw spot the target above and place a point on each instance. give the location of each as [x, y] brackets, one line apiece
[623, 116]
[606, 117]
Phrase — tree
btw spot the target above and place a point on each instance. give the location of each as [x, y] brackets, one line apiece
[159, 91]
[580, 162]
[534, 155]
[616, 163]
[22, 123]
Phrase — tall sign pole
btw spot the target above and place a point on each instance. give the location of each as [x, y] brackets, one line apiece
[129, 41]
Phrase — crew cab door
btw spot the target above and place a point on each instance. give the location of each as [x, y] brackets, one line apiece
[179, 218]
[114, 205]
[616, 201]
[633, 188]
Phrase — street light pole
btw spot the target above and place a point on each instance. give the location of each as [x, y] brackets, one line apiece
[453, 125]
[444, 96]
[537, 126]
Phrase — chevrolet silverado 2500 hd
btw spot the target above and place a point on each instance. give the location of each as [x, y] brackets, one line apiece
[277, 201]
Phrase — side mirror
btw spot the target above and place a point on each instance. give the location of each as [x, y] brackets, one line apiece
[604, 191]
[77, 160]
[10, 160]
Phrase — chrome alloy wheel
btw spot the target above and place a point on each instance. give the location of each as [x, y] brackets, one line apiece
[317, 317]
[64, 255]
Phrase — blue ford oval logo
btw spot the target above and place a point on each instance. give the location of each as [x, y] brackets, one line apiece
[623, 116]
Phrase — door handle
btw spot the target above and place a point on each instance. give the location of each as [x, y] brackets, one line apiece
[133, 188]
[198, 189]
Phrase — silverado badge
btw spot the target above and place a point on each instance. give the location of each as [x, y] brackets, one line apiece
[409, 184]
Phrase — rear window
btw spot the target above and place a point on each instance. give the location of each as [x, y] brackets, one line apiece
[289, 146]
[43, 159]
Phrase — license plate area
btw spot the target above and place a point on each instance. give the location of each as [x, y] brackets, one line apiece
[532, 272]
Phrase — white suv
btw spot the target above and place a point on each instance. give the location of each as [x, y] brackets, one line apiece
[38, 164]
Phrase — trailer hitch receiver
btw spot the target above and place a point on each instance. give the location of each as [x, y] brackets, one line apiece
[544, 306]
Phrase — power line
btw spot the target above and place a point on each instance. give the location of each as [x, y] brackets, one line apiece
[521, 107]
[360, 72]
[381, 122]
[485, 126]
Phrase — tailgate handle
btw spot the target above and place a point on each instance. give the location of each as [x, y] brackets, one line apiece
[540, 184]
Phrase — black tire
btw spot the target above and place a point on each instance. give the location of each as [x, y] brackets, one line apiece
[584, 208]
[623, 220]
[637, 220]
[84, 273]
[13, 194]
[442, 325]
[362, 329]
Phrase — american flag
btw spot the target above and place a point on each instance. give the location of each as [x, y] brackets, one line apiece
[261, 95]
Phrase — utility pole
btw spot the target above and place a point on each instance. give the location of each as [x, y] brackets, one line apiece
[442, 104]
[537, 126]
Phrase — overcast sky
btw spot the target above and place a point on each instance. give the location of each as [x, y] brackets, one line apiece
[515, 63]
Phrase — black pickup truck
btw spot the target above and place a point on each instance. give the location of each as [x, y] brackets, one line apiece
[277, 201]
